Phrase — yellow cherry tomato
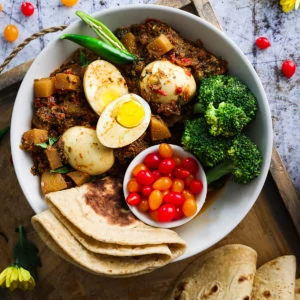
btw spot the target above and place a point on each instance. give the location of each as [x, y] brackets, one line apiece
[155, 199]
[0, 7]
[178, 185]
[11, 33]
[68, 2]
[162, 183]
[138, 168]
[165, 150]
[189, 207]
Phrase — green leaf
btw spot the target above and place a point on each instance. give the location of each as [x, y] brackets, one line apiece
[61, 170]
[52, 140]
[3, 132]
[43, 145]
[83, 58]
[26, 253]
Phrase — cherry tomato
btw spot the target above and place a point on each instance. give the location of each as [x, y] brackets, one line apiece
[174, 198]
[143, 206]
[156, 174]
[178, 160]
[138, 168]
[178, 213]
[133, 186]
[11, 33]
[196, 186]
[188, 195]
[262, 42]
[165, 150]
[27, 9]
[288, 68]
[181, 173]
[144, 177]
[146, 190]
[153, 215]
[166, 213]
[167, 166]
[155, 199]
[152, 160]
[189, 179]
[133, 199]
[189, 207]
[0, 7]
[68, 2]
[162, 183]
[178, 185]
[190, 164]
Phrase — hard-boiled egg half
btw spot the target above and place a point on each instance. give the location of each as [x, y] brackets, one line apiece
[84, 152]
[164, 82]
[103, 83]
[123, 121]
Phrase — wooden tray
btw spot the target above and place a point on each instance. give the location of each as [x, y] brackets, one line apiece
[270, 226]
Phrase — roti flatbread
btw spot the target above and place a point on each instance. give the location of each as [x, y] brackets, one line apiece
[101, 235]
[275, 279]
[59, 240]
[225, 273]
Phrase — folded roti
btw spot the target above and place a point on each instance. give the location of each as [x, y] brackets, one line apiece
[225, 273]
[62, 242]
[276, 279]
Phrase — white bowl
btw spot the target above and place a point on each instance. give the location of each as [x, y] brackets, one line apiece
[235, 201]
[200, 198]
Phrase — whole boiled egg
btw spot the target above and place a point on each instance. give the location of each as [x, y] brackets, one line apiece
[123, 121]
[84, 152]
[164, 82]
[103, 83]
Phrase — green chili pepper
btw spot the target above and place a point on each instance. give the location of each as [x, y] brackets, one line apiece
[101, 48]
[102, 31]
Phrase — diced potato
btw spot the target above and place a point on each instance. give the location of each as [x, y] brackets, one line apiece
[53, 157]
[68, 82]
[158, 129]
[79, 177]
[160, 46]
[35, 136]
[129, 41]
[52, 182]
[44, 87]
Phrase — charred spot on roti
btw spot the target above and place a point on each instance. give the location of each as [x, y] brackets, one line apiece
[213, 290]
[106, 199]
[267, 294]
[246, 298]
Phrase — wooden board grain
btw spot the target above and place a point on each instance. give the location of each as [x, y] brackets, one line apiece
[267, 228]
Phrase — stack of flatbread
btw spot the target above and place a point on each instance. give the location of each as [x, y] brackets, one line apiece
[229, 273]
[91, 227]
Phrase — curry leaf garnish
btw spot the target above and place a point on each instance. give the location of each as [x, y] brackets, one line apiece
[83, 58]
[61, 170]
[43, 145]
[51, 141]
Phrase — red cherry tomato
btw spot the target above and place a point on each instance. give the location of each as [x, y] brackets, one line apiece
[133, 199]
[143, 205]
[196, 186]
[152, 160]
[167, 166]
[144, 177]
[27, 9]
[178, 213]
[156, 174]
[146, 190]
[166, 213]
[190, 164]
[11, 33]
[262, 42]
[288, 68]
[181, 173]
[174, 198]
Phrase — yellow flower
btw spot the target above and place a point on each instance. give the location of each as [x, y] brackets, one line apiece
[14, 277]
[288, 5]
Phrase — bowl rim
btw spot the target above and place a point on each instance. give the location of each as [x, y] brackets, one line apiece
[200, 199]
[15, 135]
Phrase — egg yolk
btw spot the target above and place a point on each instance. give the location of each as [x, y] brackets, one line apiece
[130, 114]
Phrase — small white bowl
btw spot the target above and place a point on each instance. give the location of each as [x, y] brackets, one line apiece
[144, 216]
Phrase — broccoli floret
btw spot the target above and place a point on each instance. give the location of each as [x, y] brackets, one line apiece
[229, 89]
[209, 149]
[226, 120]
[244, 162]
